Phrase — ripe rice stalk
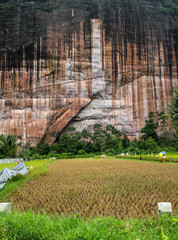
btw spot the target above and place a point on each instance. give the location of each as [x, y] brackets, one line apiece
[106, 187]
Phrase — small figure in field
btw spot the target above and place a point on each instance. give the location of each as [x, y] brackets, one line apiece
[164, 158]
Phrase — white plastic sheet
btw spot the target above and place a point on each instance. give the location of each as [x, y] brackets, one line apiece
[7, 173]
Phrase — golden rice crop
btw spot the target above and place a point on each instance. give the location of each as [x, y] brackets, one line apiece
[100, 187]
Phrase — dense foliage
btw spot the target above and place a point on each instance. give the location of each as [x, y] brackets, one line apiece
[107, 140]
[8, 145]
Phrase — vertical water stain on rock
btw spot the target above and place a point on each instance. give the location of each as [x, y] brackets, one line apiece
[83, 62]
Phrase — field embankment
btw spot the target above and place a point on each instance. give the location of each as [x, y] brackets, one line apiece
[94, 187]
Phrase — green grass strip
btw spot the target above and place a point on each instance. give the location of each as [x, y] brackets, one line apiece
[149, 158]
[28, 226]
[17, 181]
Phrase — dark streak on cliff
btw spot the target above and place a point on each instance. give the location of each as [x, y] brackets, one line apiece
[137, 38]
[126, 24]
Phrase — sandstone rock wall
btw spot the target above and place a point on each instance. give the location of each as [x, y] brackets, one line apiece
[67, 67]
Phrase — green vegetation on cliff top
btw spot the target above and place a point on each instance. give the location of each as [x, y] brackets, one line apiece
[93, 7]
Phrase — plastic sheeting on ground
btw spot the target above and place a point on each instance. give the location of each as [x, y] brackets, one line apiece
[7, 173]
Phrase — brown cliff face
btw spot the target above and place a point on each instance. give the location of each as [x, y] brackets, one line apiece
[74, 66]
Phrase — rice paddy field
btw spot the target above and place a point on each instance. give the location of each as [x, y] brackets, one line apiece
[100, 187]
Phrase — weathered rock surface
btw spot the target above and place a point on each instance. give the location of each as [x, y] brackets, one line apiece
[73, 66]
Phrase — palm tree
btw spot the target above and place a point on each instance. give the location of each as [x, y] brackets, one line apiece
[8, 144]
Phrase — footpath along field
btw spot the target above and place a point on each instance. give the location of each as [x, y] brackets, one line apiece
[93, 187]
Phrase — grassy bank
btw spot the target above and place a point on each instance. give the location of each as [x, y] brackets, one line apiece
[36, 169]
[27, 226]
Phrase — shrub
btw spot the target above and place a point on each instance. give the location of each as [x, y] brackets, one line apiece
[81, 152]
[17, 177]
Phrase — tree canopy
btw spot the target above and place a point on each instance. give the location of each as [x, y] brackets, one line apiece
[8, 145]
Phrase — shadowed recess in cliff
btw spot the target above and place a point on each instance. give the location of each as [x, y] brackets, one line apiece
[53, 51]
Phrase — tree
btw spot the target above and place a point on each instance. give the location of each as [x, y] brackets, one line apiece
[163, 121]
[25, 153]
[125, 142]
[85, 135]
[98, 132]
[74, 134]
[113, 131]
[164, 138]
[43, 148]
[8, 144]
[150, 128]
[134, 147]
[151, 145]
[172, 111]
[66, 144]
[98, 137]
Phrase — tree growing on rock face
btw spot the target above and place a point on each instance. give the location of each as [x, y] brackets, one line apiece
[8, 145]
[149, 130]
